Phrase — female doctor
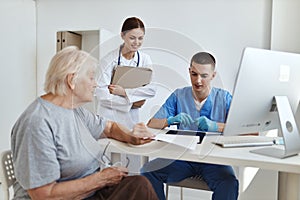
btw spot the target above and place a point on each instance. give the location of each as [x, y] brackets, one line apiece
[115, 102]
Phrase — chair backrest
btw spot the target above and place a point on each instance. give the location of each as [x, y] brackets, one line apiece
[7, 175]
[194, 182]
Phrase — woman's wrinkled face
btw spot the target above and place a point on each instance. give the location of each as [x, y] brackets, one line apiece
[133, 39]
[85, 87]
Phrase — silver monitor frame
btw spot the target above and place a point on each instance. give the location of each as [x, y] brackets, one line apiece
[267, 80]
[288, 129]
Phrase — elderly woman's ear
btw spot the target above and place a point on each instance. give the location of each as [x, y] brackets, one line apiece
[71, 81]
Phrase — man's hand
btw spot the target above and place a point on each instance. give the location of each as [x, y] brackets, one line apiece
[205, 124]
[181, 118]
[138, 104]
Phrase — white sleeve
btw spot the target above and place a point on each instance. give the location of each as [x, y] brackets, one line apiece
[112, 101]
[103, 95]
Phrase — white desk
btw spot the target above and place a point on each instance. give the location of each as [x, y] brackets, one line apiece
[288, 168]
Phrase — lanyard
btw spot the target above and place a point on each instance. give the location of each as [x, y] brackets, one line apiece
[119, 58]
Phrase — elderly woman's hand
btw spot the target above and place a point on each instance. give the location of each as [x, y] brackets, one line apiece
[141, 134]
[112, 175]
[140, 130]
[138, 135]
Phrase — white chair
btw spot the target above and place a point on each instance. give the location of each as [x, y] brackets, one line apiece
[7, 175]
[194, 182]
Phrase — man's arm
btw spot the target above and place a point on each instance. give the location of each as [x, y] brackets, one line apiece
[181, 118]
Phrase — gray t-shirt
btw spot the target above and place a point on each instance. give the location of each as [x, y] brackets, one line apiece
[51, 143]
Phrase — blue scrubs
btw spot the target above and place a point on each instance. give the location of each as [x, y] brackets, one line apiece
[220, 178]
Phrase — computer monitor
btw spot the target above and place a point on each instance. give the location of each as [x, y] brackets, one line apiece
[266, 96]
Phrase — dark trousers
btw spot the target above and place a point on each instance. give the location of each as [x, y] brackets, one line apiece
[219, 178]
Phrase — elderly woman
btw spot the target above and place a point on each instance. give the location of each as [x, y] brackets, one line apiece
[54, 142]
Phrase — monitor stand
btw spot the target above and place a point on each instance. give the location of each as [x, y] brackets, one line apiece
[288, 128]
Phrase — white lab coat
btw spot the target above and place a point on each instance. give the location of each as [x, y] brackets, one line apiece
[115, 107]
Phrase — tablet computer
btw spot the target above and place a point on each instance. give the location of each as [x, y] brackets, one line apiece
[188, 132]
[131, 77]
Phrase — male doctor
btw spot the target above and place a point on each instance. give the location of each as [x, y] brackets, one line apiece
[197, 107]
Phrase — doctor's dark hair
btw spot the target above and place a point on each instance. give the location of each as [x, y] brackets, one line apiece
[204, 58]
[132, 23]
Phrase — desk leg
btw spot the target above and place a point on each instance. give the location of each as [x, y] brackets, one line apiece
[288, 186]
[144, 159]
[115, 157]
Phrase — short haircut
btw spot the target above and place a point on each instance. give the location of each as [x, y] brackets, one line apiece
[70, 60]
[132, 23]
[204, 58]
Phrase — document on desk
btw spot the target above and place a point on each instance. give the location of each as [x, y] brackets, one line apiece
[186, 141]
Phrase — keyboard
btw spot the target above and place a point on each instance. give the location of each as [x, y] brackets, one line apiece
[244, 141]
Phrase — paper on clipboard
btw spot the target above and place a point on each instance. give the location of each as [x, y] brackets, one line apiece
[131, 77]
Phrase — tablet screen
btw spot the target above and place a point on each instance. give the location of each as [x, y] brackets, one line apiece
[188, 132]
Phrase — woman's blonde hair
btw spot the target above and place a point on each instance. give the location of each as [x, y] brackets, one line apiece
[69, 60]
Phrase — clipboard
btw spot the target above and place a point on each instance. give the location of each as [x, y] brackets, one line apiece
[131, 77]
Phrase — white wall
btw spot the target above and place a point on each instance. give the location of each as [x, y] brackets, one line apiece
[18, 66]
[285, 26]
[285, 37]
[222, 27]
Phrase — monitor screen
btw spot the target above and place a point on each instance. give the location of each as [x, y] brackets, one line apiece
[262, 75]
